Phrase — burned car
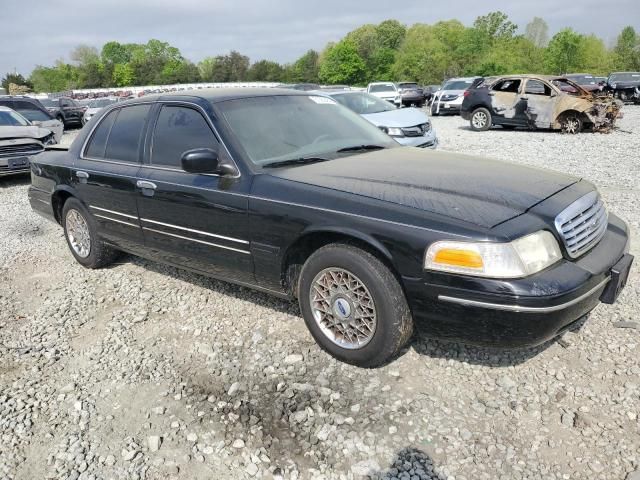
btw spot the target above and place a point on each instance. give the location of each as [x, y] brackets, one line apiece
[532, 101]
[625, 86]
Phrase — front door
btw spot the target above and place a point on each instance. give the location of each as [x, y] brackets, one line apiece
[105, 176]
[198, 221]
[540, 100]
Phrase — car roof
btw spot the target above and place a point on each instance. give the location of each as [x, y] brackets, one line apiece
[215, 95]
[382, 83]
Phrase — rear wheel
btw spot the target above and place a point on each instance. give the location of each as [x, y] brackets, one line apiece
[571, 123]
[353, 305]
[80, 231]
[480, 119]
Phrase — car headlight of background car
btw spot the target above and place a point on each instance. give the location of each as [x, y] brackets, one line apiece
[522, 257]
[49, 140]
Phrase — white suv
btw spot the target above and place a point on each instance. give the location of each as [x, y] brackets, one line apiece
[385, 90]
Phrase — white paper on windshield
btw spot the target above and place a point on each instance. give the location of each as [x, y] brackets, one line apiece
[323, 100]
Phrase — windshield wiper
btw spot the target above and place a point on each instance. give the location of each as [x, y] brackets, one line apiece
[295, 161]
[355, 148]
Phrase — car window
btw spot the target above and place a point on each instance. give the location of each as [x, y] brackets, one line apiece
[124, 140]
[30, 111]
[12, 119]
[536, 87]
[179, 129]
[381, 88]
[98, 141]
[508, 85]
[65, 103]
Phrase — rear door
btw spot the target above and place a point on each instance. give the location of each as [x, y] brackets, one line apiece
[194, 220]
[506, 103]
[105, 175]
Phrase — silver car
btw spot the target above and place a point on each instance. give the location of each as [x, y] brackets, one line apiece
[94, 106]
[408, 126]
[449, 98]
[20, 140]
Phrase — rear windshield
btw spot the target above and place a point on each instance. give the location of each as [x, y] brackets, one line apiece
[382, 88]
[408, 85]
[48, 103]
[583, 79]
[457, 85]
[625, 77]
[363, 103]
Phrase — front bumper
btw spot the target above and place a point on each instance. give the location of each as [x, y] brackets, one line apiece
[475, 311]
[428, 140]
[14, 165]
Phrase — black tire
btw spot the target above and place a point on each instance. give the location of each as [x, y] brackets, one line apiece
[480, 120]
[434, 112]
[571, 123]
[100, 254]
[394, 323]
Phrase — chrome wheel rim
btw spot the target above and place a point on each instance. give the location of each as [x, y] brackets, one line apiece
[571, 125]
[479, 119]
[78, 233]
[343, 308]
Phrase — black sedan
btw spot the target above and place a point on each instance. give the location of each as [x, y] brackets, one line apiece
[292, 194]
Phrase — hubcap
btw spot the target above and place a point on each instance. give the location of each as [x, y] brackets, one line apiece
[479, 119]
[571, 125]
[78, 233]
[343, 308]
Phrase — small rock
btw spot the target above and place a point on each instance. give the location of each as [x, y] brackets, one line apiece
[355, 408]
[252, 469]
[128, 455]
[627, 324]
[110, 460]
[365, 467]
[158, 410]
[506, 382]
[633, 475]
[68, 388]
[568, 419]
[238, 443]
[153, 442]
[192, 437]
[293, 358]
[233, 389]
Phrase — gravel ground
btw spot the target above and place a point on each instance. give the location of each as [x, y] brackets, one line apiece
[142, 371]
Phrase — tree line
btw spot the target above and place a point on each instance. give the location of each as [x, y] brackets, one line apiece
[424, 53]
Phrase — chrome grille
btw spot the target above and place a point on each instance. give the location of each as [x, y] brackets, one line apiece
[416, 131]
[21, 149]
[582, 224]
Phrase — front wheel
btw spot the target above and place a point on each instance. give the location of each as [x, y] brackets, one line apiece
[80, 232]
[480, 119]
[353, 305]
[571, 123]
[434, 110]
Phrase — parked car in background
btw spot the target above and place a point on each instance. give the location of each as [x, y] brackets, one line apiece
[19, 141]
[428, 91]
[386, 91]
[410, 94]
[31, 109]
[95, 106]
[587, 81]
[300, 86]
[407, 126]
[64, 109]
[449, 98]
[625, 86]
[295, 195]
[533, 101]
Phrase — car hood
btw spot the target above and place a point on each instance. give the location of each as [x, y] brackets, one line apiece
[7, 133]
[402, 117]
[471, 189]
[93, 111]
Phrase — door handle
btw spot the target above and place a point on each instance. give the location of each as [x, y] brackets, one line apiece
[82, 176]
[146, 187]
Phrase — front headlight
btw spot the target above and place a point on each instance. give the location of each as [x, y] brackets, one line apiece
[525, 256]
[49, 140]
[395, 132]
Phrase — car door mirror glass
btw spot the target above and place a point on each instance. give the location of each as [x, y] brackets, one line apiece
[200, 160]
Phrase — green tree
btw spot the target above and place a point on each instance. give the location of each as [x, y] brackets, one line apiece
[265, 71]
[207, 67]
[565, 52]
[390, 34]
[306, 68]
[58, 78]
[342, 64]
[495, 25]
[123, 75]
[627, 50]
[422, 56]
[229, 68]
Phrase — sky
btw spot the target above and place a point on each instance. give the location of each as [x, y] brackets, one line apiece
[39, 32]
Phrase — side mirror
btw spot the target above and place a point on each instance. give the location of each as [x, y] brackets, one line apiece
[204, 160]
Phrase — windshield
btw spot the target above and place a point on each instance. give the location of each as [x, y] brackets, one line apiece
[101, 103]
[48, 103]
[363, 103]
[457, 85]
[583, 79]
[568, 87]
[408, 86]
[382, 88]
[12, 119]
[287, 127]
[624, 77]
